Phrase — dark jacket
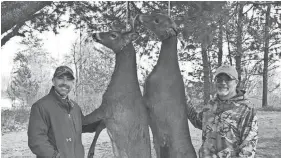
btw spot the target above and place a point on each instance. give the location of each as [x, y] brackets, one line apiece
[55, 125]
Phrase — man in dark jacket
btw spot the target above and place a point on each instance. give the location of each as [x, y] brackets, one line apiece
[55, 123]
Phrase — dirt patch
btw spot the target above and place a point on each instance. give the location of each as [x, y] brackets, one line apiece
[269, 143]
[15, 144]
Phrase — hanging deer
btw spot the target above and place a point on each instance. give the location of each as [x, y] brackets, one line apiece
[122, 109]
[164, 93]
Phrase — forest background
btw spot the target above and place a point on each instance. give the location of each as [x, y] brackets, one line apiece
[245, 34]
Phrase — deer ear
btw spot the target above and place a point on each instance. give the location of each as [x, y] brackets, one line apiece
[134, 36]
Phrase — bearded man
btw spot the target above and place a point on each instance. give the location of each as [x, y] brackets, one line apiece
[228, 122]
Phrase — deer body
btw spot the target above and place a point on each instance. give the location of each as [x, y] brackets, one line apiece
[122, 108]
[165, 96]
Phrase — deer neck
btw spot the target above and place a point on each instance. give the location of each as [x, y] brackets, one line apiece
[125, 72]
[168, 53]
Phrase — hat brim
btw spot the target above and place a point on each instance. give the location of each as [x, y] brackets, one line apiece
[232, 77]
[65, 73]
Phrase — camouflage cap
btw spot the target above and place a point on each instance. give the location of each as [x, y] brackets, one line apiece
[229, 70]
[61, 70]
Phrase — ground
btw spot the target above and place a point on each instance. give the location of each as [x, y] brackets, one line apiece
[15, 144]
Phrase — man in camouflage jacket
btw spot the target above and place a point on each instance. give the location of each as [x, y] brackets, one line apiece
[229, 122]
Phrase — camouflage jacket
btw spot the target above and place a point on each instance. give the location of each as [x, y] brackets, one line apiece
[229, 128]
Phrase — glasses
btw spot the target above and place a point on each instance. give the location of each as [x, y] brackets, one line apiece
[220, 80]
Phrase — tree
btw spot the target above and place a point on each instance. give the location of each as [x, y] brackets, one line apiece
[200, 26]
[93, 67]
[220, 43]
[23, 17]
[15, 14]
[22, 86]
[33, 65]
[239, 52]
[266, 49]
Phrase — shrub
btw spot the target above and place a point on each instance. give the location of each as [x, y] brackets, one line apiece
[15, 119]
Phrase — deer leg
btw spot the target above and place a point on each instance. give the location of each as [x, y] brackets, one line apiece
[153, 128]
[91, 128]
[114, 147]
[96, 115]
[100, 127]
[156, 146]
[164, 151]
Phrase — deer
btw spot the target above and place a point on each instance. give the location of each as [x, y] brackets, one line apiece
[122, 109]
[164, 93]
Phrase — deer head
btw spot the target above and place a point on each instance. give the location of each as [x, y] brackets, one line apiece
[162, 25]
[118, 38]
[115, 40]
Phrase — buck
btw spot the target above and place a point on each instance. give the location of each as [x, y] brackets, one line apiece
[122, 108]
[165, 95]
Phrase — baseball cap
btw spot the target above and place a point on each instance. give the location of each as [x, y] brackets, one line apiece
[229, 70]
[61, 70]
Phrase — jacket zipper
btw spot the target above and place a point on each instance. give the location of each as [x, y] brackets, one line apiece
[70, 118]
[72, 121]
[73, 131]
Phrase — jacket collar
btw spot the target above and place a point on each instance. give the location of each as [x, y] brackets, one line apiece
[238, 97]
[224, 105]
[65, 103]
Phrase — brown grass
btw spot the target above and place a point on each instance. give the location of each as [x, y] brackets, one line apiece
[15, 143]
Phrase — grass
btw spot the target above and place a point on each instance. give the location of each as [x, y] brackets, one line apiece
[15, 143]
[15, 119]
[270, 108]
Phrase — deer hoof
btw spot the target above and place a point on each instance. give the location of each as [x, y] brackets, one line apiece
[91, 155]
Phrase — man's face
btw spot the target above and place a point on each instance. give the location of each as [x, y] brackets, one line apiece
[225, 86]
[63, 84]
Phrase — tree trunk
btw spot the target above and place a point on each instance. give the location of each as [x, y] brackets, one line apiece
[239, 43]
[266, 48]
[228, 47]
[220, 45]
[206, 73]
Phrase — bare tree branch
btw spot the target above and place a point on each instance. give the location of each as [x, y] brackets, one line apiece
[136, 8]
[15, 31]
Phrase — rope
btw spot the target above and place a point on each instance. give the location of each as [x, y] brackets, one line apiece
[127, 16]
[105, 28]
[169, 8]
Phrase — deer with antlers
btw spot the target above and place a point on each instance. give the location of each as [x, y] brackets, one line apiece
[122, 109]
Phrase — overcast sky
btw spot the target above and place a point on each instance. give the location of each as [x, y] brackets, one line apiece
[57, 45]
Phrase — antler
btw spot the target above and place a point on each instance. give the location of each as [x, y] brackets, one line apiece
[122, 27]
[118, 27]
[131, 23]
[134, 22]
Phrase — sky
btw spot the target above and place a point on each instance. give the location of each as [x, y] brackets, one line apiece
[57, 45]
